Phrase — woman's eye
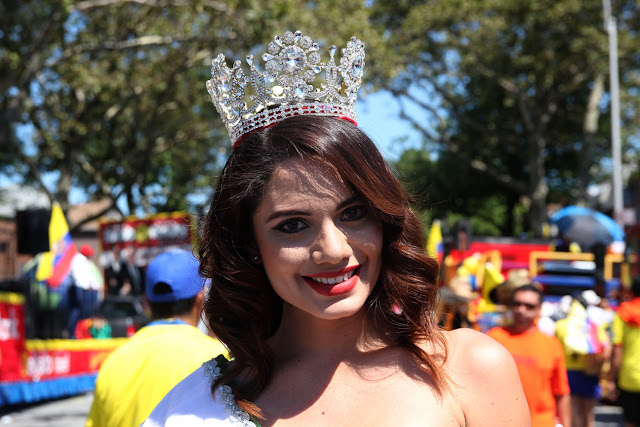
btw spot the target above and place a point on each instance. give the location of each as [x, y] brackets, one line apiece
[291, 226]
[353, 213]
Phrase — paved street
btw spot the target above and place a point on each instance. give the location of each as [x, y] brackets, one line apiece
[70, 412]
[609, 416]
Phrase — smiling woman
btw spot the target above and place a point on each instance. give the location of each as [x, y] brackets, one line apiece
[317, 240]
[320, 285]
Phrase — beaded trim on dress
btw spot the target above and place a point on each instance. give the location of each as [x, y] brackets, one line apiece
[236, 414]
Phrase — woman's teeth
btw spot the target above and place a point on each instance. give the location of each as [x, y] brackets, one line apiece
[333, 280]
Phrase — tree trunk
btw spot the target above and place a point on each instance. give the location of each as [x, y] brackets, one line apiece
[589, 128]
[509, 228]
[131, 203]
[64, 182]
[538, 186]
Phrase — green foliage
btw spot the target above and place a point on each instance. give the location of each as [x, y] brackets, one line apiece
[109, 95]
[441, 191]
[112, 92]
[505, 88]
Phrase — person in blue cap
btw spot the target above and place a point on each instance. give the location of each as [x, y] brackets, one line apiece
[136, 376]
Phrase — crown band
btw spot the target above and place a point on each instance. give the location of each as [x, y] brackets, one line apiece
[285, 89]
[295, 113]
[272, 117]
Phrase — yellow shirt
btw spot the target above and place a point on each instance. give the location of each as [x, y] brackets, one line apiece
[136, 376]
[573, 324]
[628, 336]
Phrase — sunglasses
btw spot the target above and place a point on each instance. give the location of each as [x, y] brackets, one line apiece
[526, 305]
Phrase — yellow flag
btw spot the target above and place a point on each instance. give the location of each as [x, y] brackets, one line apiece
[58, 229]
[45, 267]
[55, 264]
[434, 242]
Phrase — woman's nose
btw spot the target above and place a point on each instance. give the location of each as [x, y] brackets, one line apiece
[331, 245]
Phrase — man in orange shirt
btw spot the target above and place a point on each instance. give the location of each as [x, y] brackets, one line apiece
[539, 358]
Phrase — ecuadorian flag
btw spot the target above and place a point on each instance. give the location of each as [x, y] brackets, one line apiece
[55, 265]
[435, 246]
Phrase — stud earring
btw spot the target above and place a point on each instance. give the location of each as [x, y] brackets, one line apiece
[256, 258]
[397, 310]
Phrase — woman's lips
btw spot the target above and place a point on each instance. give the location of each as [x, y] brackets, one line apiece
[327, 274]
[340, 288]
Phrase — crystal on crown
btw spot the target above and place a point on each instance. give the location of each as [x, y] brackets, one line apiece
[288, 85]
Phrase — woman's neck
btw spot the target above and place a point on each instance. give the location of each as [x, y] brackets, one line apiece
[302, 335]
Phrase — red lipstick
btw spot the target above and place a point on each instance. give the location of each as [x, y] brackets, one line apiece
[327, 274]
[331, 290]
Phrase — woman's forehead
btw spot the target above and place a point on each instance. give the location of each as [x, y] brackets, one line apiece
[300, 177]
[308, 171]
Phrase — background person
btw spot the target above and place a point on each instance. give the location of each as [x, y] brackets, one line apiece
[320, 285]
[84, 283]
[123, 278]
[136, 376]
[625, 360]
[539, 358]
[96, 281]
[586, 346]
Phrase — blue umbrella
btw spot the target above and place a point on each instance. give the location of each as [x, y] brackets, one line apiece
[586, 226]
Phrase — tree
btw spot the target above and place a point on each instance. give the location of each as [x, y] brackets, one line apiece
[513, 89]
[108, 95]
[437, 194]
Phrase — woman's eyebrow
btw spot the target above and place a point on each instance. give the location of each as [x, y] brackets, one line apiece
[293, 212]
[298, 212]
[347, 202]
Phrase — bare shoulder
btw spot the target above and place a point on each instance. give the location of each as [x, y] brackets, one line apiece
[485, 380]
[474, 351]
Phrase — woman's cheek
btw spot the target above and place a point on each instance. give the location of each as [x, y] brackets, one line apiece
[288, 255]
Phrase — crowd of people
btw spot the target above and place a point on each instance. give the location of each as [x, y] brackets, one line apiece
[572, 340]
[567, 369]
[320, 299]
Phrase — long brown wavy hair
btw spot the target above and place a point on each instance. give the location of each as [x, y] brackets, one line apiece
[242, 308]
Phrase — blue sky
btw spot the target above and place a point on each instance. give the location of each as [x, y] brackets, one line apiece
[378, 115]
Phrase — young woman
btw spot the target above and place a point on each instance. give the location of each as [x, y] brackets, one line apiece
[322, 292]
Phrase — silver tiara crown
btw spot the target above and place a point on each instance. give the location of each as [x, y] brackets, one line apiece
[286, 88]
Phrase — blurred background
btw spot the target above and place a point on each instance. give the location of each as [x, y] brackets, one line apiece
[495, 115]
[495, 112]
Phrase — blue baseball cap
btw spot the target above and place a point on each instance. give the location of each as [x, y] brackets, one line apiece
[178, 269]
